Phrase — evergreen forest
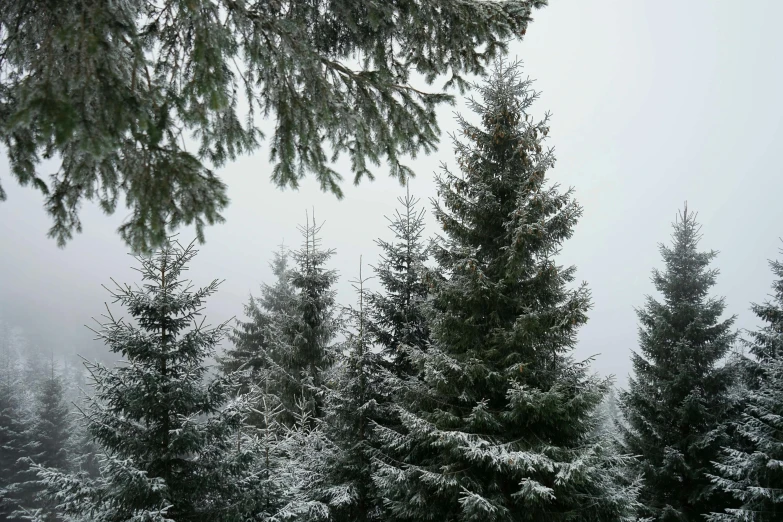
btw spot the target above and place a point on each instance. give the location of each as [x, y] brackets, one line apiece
[448, 389]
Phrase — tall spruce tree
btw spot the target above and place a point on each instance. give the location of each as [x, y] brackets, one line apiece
[115, 89]
[304, 341]
[499, 425]
[168, 435]
[751, 469]
[356, 395]
[678, 400]
[396, 315]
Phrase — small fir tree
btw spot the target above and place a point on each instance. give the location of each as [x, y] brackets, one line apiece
[15, 441]
[168, 435]
[751, 470]
[51, 429]
[499, 426]
[253, 354]
[396, 316]
[610, 418]
[679, 400]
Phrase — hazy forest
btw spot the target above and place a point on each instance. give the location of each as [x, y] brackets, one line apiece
[439, 375]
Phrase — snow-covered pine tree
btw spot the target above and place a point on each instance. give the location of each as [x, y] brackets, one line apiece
[51, 429]
[168, 434]
[15, 443]
[52, 423]
[306, 455]
[752, 471]
[82, 447]
[678, 399]
[610, 417]
[356, 392]
[253, 355]
[250, 337]
[499, 425]
[396, 316]
[303, 341]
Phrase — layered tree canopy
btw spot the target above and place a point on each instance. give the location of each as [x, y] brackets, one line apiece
[115, 90]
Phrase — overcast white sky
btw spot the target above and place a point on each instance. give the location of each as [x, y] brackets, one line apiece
[654, 102]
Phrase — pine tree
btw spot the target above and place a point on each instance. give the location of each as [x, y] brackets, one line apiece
[14, 443]
[116, 89]
[52, 424]
[50, 434]
[250, 338]
[500, 424]
[257, 359]
[168, 434]
[307, 453]
[253, 353]
[82, 446]
[678, 400]
[396, 314]
[610, 418]
[357, 395]
[303, 342]
[751, 469]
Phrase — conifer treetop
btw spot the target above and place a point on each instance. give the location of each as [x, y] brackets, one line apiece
[687, 278]
[679, 400]
[768, 341]
[396, 316]
[169, 436]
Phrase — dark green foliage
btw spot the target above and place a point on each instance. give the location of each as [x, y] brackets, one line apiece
[499, 424]
[305, 340]
[250, 338]
[116, 89]
[678, 401]
[751, 469]
[396, 314]
[169, 436]
[285, 345]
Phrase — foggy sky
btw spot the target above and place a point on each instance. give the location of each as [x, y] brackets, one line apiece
[653, 103]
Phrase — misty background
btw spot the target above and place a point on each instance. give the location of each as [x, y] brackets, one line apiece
[653, 103]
